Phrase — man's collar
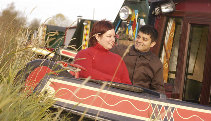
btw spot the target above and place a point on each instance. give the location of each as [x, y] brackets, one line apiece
[134, 52]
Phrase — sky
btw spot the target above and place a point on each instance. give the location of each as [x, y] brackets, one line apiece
[44, 9]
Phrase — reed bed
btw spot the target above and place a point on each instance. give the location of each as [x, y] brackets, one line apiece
[14, 54]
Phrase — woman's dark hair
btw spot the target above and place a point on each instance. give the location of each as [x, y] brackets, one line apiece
[99, 28]
[149, 30]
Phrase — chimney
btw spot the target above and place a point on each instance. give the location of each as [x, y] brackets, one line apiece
[79, 19]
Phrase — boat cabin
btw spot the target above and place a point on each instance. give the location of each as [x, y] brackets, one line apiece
[184, 48]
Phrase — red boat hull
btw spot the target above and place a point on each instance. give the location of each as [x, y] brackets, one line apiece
[117, 104]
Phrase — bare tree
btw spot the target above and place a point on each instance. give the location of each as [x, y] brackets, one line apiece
[12, 23]
[12, 18]
[34, 25]
[59, 20]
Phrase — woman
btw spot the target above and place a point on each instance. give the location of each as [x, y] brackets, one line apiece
[98, 61]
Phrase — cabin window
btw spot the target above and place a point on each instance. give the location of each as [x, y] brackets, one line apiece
[169, 52]
[198, 37]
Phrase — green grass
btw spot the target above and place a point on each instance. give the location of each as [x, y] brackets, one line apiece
[15, 104]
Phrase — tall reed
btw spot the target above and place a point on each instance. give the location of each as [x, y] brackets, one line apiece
[14, 54]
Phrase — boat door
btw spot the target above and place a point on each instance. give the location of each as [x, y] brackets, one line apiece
[197, 61]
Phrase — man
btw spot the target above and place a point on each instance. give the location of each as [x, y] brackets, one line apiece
[145, 68]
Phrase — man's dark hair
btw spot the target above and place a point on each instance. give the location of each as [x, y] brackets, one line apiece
[149, 30]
